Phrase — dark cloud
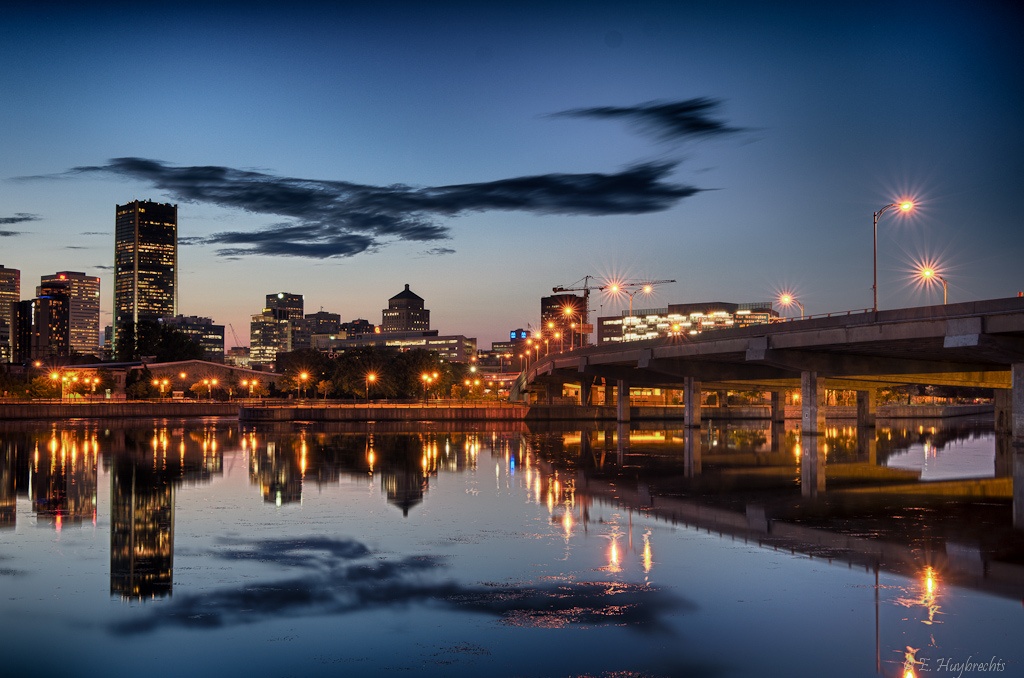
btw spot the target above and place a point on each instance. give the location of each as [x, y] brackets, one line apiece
[104, 267]
[340, 219]
[439, 251]
[96, 233]
[667, 120]
[186, 240]
[76, 247]
[19, 218]
[8, 234]
[337, 577]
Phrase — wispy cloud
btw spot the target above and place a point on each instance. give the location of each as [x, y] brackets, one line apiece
[19, 218]
[439, 251]
[666, 120]
[104, 267]
[107, 233]
[341, 219]
[8, 234]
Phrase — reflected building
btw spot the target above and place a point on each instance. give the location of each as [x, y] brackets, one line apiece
[278, 472]
[8, 485]
[141, 531]
[63, 480]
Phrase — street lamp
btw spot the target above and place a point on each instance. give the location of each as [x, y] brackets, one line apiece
[303, 376]
[904, 206]
[371, 377]
[56, 378]
[426, 382]
[786, 299]
[929, 274]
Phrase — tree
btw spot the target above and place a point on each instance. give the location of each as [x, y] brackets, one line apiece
[152, 338]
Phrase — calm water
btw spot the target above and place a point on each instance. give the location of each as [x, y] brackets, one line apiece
[201, 547]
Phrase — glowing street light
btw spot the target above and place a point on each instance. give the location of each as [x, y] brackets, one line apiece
[786, 299]
[371, 377]
[928, 275]
[303, 376]
[904, 206]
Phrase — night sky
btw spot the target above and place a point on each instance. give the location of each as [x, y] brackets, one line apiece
[485, 154]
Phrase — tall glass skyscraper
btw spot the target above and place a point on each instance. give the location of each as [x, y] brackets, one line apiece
[10, 293]
[145, 263]
[83, 308]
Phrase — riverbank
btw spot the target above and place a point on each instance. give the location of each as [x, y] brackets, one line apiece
[252, 412]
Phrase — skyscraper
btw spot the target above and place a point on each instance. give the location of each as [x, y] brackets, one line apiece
[145, 263]
[83, 308]
[10, 294]
[271, 331]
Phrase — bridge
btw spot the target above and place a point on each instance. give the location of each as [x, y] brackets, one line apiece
[978, 343]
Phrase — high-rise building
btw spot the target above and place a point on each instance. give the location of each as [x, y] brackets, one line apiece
[271, 331]
[83, 293]
[41, 327]
[210, 337]
[10, 294]
[405, 313]
[145, 263]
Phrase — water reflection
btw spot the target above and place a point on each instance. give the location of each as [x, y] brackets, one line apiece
[584, 488]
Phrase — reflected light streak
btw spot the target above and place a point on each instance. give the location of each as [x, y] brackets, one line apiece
[648, 557]
[613, 555]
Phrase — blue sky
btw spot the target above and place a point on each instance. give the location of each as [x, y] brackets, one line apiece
[395, 128]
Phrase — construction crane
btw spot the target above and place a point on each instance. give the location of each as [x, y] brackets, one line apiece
[631, 288]
[233, 334]
[583, 285]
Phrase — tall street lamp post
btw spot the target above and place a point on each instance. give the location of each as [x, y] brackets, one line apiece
[928, 274]
[904, 206]
[786, 299]
[370, 378]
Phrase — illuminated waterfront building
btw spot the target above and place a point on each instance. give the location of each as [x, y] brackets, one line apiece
[405, 313]
[41, 326]
[682, 320]
[83, 292]
[271, 330]
[145, 263]
[10, 294]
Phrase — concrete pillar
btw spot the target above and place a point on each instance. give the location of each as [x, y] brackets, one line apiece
[586, 385]
[622, 400]
[1017, 386]
[691, 402]
[778, 433]
[866, 406]
[608, 400]
[778, 406]
[812, 465]
[1003, 401]
[723, 398]
[550, 390]
[812, 404]
[1018, 489]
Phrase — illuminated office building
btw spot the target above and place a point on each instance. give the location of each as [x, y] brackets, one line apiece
[10, 294]
[564, 319]
[83, 292]
[145, 263]
[40, 328]
[209, 336]
[682, 320]
[405, 313]
[271, 331]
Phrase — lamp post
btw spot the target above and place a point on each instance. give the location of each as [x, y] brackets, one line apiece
[303, 376]
[371, 377]
[928, 274]
[786, 299]
[904, 206]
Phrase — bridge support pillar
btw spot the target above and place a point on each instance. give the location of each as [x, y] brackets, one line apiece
[1017, 386]
[866, 405]
[1018, 488]
[622, 400]
[586, 385]
[812, 404]
[550, 390]
[778, 406]
[691, 402]
[608, 399]
[1003, 401]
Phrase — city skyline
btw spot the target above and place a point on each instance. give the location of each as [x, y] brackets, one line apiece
[487, 155]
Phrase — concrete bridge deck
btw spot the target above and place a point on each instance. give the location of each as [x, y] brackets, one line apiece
[977, 343]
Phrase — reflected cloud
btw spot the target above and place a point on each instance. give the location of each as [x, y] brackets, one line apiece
[344, 576]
